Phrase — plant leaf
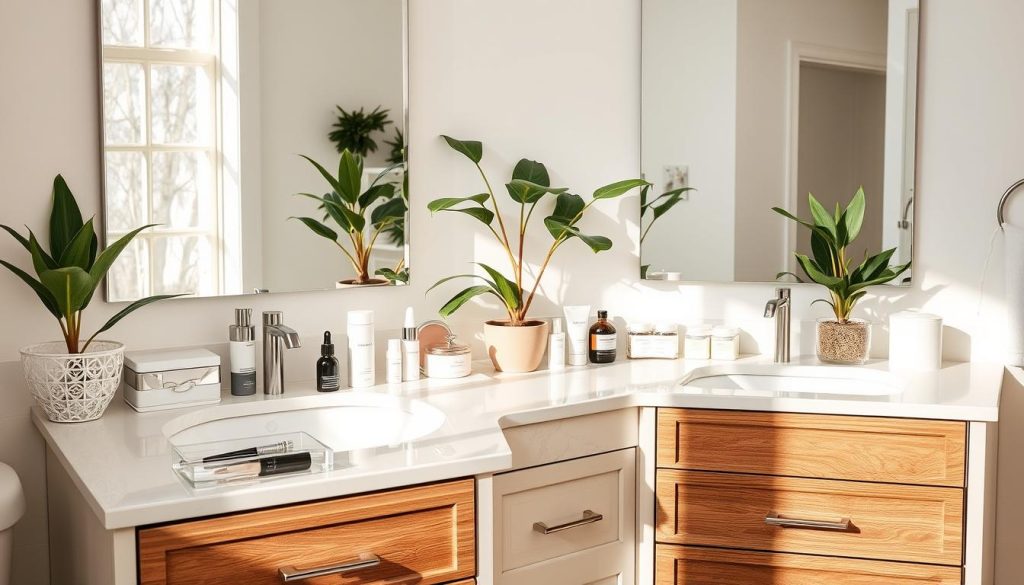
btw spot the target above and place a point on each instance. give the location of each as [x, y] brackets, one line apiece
[130, 309]
[666, 194]
[618, 188]
[350, 176]
[815, 274]
[446, 202]
[21, 239]
[331, 180]
[388, 211]
[568, 206]
[382, 191]
[70, 287]
[531, 171]
[559, 228]
[65, 217]
[41, 262]
[522, 191]
[106, 258]
[334, 207]
[472, 149]
[486, 216]
[318, 228]
[822, 218]
[44, 294]
[356, 221]
[814, 228]
[401, 276]
[823, 252]
[853, 218]
[463, 297]
[787, 273]
[872, 267]
[447, 278]
[666, 205]
[509, 291]
[79, 249]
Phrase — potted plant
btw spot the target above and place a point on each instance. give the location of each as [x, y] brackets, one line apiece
[517, 343]
[361, 215]
[353, 130]
[842, 340]
[657, 207]
[72, 381]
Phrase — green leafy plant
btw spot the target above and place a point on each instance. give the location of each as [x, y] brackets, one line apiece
[530, 185]
[831, 266]
[657, 207]
[360, 215]
[68, 274]
[396, 153]
[353, 129]
[401, 275]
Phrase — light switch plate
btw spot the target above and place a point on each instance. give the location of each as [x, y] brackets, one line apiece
[676, 177]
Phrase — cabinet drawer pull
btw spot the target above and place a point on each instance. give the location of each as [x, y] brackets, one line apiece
[365, 561]
[589, 517]
[773, 519]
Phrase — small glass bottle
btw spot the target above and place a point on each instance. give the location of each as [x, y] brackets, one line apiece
[603, 340]
[327, 379]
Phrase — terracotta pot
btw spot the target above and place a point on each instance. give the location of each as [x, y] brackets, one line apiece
[516, 349]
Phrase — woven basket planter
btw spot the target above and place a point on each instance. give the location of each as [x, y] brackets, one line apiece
[73, 387]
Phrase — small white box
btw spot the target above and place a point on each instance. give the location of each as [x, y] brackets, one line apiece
[163, 379]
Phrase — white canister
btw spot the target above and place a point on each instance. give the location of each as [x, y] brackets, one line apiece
[448, 360]
[915, 341]
[697, 345]
[725, 343]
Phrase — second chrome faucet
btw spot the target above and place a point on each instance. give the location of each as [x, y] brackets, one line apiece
[778, 308]
[276, 338]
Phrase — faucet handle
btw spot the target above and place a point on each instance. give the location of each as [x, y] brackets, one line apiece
[782, 293]
[273, 317]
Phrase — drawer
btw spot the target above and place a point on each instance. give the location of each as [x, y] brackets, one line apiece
[422, 535]
[921, 524]
[921, 452]
[588, 508]
[680, 565]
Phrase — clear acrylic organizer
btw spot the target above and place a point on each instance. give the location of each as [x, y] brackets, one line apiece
[250, 460]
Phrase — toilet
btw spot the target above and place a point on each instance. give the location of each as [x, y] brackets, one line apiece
[12, 506]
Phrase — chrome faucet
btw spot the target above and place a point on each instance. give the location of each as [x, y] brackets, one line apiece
[276, 338]
[779, 309]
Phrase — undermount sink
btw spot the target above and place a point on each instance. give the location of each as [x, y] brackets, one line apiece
[349, 421]
[766, 379]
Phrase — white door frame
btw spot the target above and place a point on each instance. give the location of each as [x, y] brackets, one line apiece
[798, 53]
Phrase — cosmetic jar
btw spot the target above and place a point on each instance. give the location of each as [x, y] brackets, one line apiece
[177, 378]
[697, 345]
[646, 341]
[725, 343]
[448, 360]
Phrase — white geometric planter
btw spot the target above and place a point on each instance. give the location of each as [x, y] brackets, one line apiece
[73, 387]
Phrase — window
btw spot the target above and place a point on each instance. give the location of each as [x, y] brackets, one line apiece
[160, 68]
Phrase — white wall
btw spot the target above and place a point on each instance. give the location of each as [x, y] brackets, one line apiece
[579, 114]
[689, 104]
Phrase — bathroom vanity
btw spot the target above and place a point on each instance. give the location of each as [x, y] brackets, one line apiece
[607, 475]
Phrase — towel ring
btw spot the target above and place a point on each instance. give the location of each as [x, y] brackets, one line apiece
[1006, 197]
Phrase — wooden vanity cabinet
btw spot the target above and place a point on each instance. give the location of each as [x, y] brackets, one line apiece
[423, 535]
[790, 499]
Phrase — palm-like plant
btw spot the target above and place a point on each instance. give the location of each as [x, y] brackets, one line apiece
[530, 184]
[831, 266]
[348, 206]
[396, 152]
[68, 274]
[353, 129]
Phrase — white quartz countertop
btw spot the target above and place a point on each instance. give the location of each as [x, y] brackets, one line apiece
[122, 462]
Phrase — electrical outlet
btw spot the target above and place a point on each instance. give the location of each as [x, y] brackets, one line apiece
[676, 177]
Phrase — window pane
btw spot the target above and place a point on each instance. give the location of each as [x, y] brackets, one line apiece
[121, 21]
[124, 107]
[125, 186]
[181, 105]
[183, 189]
[184, 24]
[128, 278]
[183, 264]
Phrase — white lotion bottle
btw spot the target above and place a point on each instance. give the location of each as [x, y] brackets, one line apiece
[556, 346]
[410, 348]
[394, 362]
[361, 370]
[242, 352]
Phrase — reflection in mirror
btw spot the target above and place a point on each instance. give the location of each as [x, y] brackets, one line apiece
[759, 103]
[208, 105]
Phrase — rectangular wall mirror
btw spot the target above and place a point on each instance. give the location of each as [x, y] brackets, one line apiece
[756, 103]
[207, 106]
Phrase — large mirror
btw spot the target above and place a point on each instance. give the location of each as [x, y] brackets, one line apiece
[210, 108]
[753, 104]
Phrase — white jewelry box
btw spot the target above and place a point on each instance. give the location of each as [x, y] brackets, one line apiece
[177, 378]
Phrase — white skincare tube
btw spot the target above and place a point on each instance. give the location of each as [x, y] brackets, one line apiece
[576, 324]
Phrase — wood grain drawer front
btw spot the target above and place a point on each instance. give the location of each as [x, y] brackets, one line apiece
[421, 535]
[679, 565]
[921, 524]
[567, 499]
[921, 452]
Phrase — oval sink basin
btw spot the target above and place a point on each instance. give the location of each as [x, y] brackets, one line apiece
[782, 379]
[347, 422]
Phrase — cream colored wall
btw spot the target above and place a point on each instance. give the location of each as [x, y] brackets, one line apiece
[580, 114]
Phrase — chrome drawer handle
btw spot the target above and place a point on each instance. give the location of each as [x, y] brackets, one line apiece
[773, 519]
[365, 561]
[589, 517]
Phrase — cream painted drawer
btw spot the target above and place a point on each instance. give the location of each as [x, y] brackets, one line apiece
[588, 507]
